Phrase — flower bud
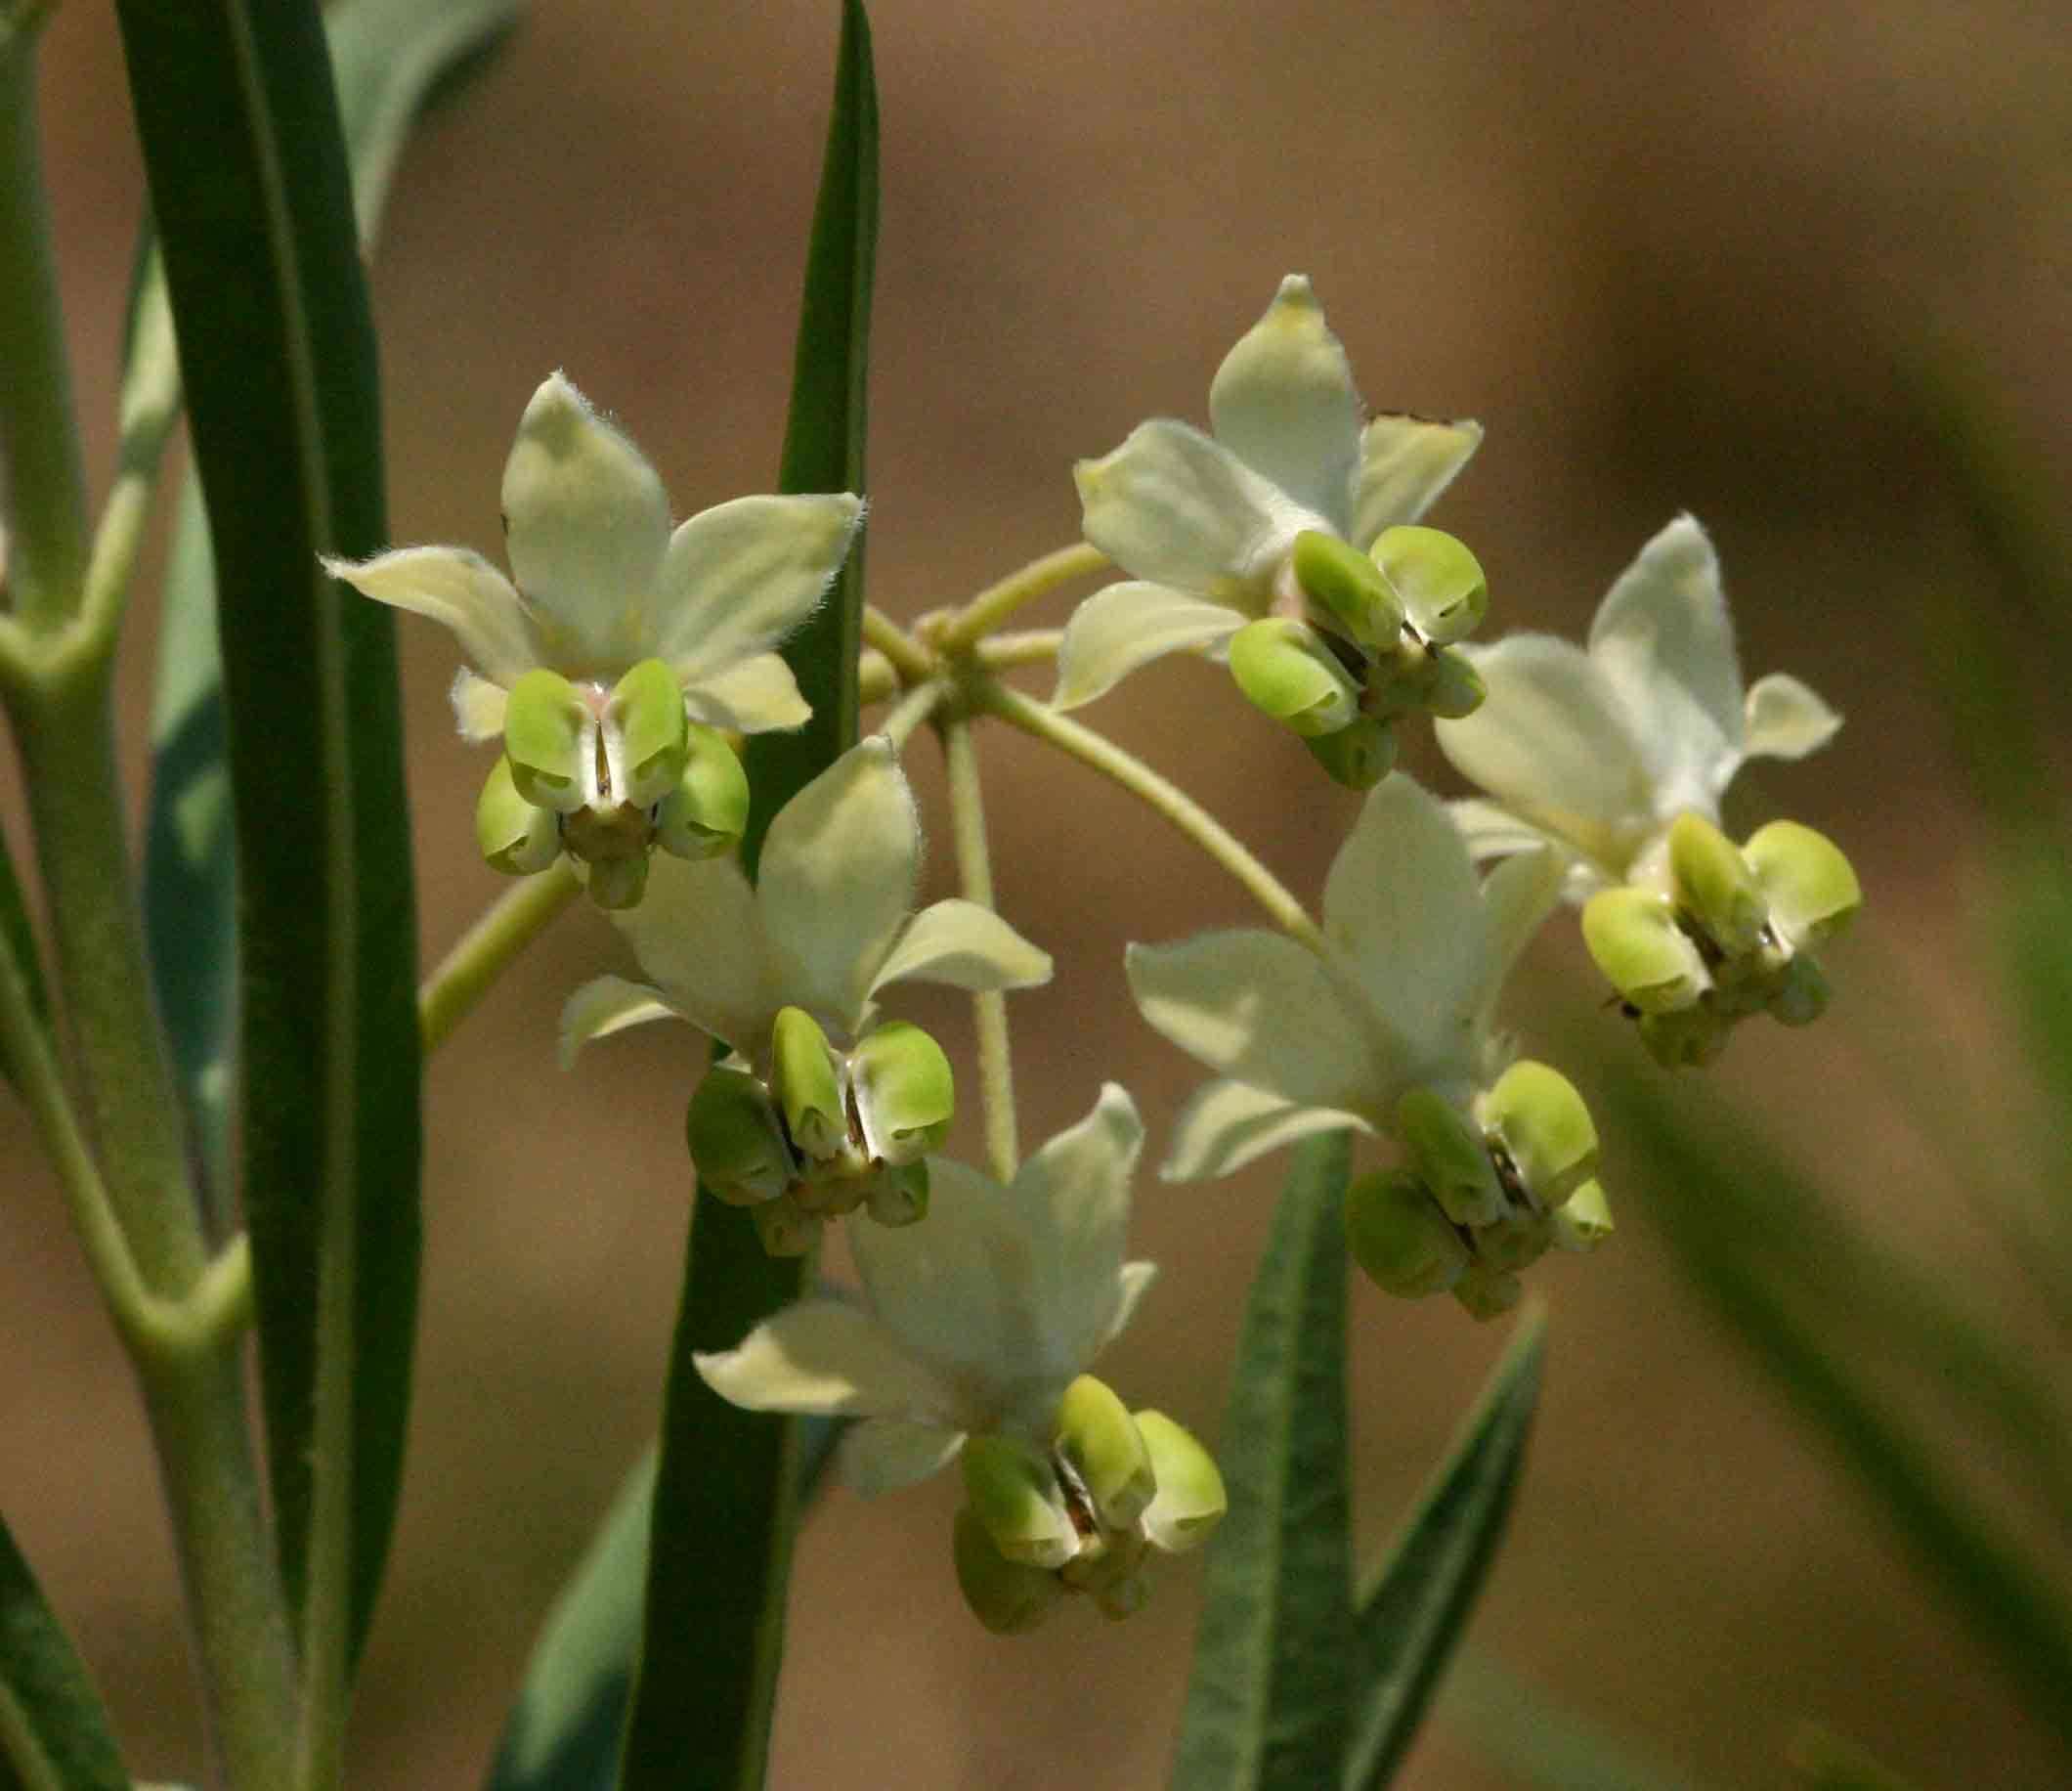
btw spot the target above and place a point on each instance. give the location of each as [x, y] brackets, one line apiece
[1439, 582]
[785, 1228]
[548, 739]
[645, 734]
[1516, 1241]
[898, 1194]
[1810, 884]
[1633, 934]
[1688, 1039]
[1451, 1159]
[618, 883]
[516, 837]
[1714, 885]
[736, 1143]
[1096, 1438]
[1359, 755]
[1453, 687]
[1347, 584]
[1399, 1237]
[905, 1093]
[1801, 996]
[1007, 1597]
[805, 1081]
[1286, 669]
[1018, 1499]
[1192, 1499]
[1534, 1112]
[1487, 1292]
[1584, 1220]
[707, 811]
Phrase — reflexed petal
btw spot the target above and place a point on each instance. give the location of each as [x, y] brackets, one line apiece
[1493, 831]
[1076, 1194]
[1518, 896]
[739, 578]
[585, 522]
[605, 1005]
[882, 1455]
[758, 696]
[967, 946]
[828, 1357]
[1259, 1008]
[1405, 463]
[1176, 507]
[837, 880]
[478, 706]
[1786, 719]
[1227, 1125]
[697, 934]
[458, 590]
[1129, 625]
[1551, 742]
[1135, 1282]
[1664, 637]
[1284, 403]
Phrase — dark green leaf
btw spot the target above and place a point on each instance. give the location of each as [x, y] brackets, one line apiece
[1268, 1699]
[728, 1483]
[1412, 1616]
[53, 1734]
[250, 190]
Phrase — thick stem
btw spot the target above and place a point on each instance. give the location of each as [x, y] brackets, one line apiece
[997, 602]
[488, 948]
[989, 1007]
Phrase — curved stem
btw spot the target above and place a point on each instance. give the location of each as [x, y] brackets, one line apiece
[997, 602]
[989, 1007]
[907, 657]
[1034, 646]
[1100, 754]
[914, 709]
[486, 950]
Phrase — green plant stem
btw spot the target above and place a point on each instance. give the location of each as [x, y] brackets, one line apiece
[488, 948]
[997, 602]
[989, 1007]
[46, 480]
[914, 708]
[911, 661]
[1100, 754]
[1034, 646]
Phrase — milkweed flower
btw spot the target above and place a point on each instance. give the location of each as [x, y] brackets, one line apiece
[970, 1342]
[1285, 541]
[821, 1105]
[610, 660]
[1390, 1030]
[1617, 755]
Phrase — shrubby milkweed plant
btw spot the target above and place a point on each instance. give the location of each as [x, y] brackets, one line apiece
[670, 717]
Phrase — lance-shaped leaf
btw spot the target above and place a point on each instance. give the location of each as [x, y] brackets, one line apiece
[714, 1627]
[1268, 1699]
[53, 1734]
[1413, 1615]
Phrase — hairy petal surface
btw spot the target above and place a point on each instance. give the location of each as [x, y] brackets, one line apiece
[739, 578]
[698, 932]
[829, 1357]
[457, 589]
[1076, 1190]
[1124, 626]
[1405, 464]
[967, 946]
[758, 696]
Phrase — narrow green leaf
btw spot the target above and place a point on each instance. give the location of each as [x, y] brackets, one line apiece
[1272, 1684]
[18, 938]
[249, 185]
[54, 1734]
[727, 1486]
[1412, 1616]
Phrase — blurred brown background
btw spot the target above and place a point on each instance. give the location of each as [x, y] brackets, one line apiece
[1676, 257]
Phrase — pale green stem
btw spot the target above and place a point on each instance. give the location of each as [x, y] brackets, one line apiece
[989, 1007]
[875, 681]
[913, 708]
[1102, 755]
[1031, 647]
[46, 482]
[997, 602]
[908, 659]
[486, 949]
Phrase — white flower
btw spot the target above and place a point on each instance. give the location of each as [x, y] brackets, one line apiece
[1597, 752]
[1403, 997]
[971, 1322]
[1205, 524]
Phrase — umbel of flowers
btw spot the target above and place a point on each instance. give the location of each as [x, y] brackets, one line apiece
[820, 1104]
[1288, 542]
[616, 651]
[1619, 755]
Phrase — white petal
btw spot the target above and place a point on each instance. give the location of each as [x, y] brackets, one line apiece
[837, 881]
[605, 1005]
[758, 696]
[1493, 831]
[458, 590]
[1284, 403]
[698, 932]
[1177, 509]
[739, 578]
[1227, 1125]
[829, 1357]
[1518, 896]
[1129, 625]
[1259, 1007]
[882, 1455]
[585, 522]
[1405, 464]
[1076, 1192]
[1135, 1282]
[1552, 743]
[967, 946]
[1664, 637]
[478, 706]
[1786, 719]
